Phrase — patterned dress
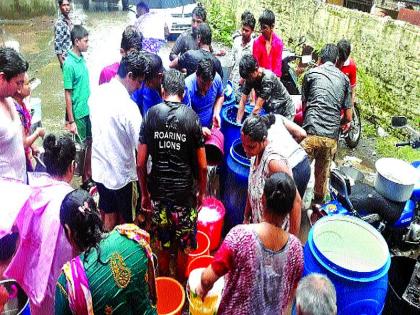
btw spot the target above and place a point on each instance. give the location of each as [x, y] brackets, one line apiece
[258, 280]
[256, 182]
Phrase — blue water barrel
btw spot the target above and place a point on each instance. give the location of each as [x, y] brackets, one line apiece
[235, 185]
[230, 128]
[355, 258]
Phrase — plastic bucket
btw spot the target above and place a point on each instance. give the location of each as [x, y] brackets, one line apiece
[215, 147]
[355, 258]
[235, 185]
[212, 300]
[17, 301]
[199, 262]
[170, 296]
[203, 246]
[210, 220]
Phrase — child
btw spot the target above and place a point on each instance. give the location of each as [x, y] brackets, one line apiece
[21, 98]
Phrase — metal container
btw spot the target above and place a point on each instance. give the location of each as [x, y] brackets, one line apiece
[80, 159]
[395, 179]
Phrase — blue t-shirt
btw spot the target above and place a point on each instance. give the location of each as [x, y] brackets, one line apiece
[203, 105]
[146, 97]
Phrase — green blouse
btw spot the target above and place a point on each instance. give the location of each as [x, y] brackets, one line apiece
[117, 280]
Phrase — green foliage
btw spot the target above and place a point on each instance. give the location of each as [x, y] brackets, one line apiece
[386, 147]
[222, 19]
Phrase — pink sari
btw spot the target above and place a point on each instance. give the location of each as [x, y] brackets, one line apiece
[43, 247]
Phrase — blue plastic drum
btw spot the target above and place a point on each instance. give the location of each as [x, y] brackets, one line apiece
[235, 185]
[355, 258]
[230, 128]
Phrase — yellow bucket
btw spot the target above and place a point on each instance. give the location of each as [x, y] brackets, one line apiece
[211, 303]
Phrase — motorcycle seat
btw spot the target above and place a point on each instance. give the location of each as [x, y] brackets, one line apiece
[365, 197]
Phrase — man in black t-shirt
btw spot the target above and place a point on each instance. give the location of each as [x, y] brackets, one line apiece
[187, 40]
[171, 134]
[189, 60]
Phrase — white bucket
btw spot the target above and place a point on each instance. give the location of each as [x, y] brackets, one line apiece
[211, 303]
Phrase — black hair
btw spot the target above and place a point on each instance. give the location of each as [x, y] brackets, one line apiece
[256, 127]
[60, 2]
[79, 212]
[206, 69]
[8, 244]
[12, 63]
[173, 82]
[78, 32]
[247, 65]
[131, 38]
[344, 49]
[138, 63]
[142, 5]
[248, 19]
[59, 154]
[204, 31]
[156, 66]
[280, 193]
[329, 53]
[200, 12]
[267, 17]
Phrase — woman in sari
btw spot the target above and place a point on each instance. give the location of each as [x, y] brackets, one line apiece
[114, 273]
[43, 247]
[262, 263]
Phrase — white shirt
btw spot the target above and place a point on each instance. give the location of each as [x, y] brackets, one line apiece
[284, 142]
[116, 124]
[151, 25]
[12, 153]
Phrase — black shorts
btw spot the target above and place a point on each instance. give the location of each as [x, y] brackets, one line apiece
[122, 201]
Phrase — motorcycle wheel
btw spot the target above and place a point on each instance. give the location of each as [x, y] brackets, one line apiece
[353, 135]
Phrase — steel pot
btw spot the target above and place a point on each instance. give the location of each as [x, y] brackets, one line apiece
[395, 179]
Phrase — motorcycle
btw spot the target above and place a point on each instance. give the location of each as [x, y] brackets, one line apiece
[399, 222]
[290, 81]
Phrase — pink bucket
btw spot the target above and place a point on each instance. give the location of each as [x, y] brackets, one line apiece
[214, 147]
[210, 220]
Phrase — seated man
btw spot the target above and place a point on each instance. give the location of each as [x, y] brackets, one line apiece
[131, 39]
[270, 92]
[189, 60]
[152, 26]
[315, 295]
[242, 44]
[187, 40]
[205, 92]
[268, 47]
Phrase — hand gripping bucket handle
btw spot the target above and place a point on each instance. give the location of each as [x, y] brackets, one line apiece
[80, 155]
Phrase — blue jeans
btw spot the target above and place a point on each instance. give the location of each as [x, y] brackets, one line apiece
[301, 175]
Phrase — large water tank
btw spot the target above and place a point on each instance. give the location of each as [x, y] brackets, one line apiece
[235, 185]
[355, 257]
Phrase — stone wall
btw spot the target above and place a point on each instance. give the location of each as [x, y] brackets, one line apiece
[21, 9]
[386, 51]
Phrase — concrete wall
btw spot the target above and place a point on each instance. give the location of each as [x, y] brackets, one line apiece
[386, 51]
[21, 9]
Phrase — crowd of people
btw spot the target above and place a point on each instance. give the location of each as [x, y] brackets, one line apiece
[143, 131]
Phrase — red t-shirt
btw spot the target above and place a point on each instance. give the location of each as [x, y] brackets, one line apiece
[349, 69]
[270, 61]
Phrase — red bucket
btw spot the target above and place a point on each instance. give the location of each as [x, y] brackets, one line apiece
[199, 262]
[203, 247]
[170, 296]
[210, 220]
[214, 147]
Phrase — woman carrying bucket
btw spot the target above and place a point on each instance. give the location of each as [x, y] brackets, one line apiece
[261, 262]
[114, 274]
